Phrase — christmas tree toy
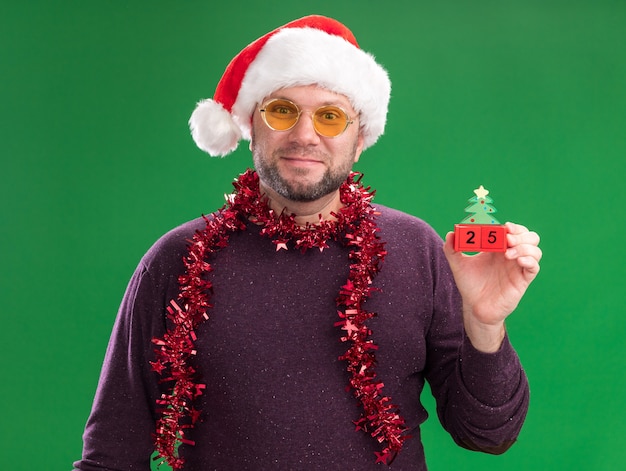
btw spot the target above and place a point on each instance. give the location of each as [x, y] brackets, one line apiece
[480, 231]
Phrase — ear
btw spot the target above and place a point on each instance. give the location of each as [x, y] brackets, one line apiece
[252, 134]
[359, 147]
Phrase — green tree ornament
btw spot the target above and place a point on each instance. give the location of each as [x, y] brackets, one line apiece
[480, 208]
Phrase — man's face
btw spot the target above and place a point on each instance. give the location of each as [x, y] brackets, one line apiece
[299, 164]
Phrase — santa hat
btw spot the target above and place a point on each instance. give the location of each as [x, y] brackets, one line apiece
[313, 50]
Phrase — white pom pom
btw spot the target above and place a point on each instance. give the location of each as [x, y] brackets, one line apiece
[213, 129]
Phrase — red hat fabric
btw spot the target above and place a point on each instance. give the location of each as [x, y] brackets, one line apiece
[314, 50]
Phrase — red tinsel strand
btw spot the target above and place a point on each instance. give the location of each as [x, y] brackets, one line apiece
[177, 344]
[355, 221]
[387, 425]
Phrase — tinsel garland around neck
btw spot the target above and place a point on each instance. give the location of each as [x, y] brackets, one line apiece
[354, 226]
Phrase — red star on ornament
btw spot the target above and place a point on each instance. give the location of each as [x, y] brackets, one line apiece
[194, 414]
[199, 388]
[350, 327]
[157, 366]
[360, 424]
[382, 457]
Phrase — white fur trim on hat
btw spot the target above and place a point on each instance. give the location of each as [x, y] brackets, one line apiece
[301, 53]
[307, 56]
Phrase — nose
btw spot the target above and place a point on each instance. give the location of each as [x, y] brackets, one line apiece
[303, 132]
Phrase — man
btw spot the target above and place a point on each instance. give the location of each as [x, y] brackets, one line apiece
[295, 327]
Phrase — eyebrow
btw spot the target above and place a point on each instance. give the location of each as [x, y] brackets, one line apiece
[325, 103]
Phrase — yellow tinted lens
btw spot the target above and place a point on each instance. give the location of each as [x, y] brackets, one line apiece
[281, 115]
[330, 121]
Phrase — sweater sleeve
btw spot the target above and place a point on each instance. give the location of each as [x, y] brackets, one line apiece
[482, 398]
[119, 429]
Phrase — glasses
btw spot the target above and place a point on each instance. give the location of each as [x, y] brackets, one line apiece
[282, 115]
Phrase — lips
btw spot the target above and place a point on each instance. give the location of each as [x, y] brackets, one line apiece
[301, 161]
[300, 157]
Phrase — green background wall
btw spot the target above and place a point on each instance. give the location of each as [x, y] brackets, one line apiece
[525, 97]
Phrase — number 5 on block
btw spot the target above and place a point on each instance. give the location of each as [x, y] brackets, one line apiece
[479, 238]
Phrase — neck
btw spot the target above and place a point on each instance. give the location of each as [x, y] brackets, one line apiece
[304, 211]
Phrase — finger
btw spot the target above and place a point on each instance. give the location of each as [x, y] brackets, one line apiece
[448, 249]
[530, 265]
[513, 228]
[524, 250]
[448, 245]
[524, 237]
[527, 258]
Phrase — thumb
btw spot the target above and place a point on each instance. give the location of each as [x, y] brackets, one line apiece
[448, 250]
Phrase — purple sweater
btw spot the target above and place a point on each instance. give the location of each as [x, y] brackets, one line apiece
[276, 392]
